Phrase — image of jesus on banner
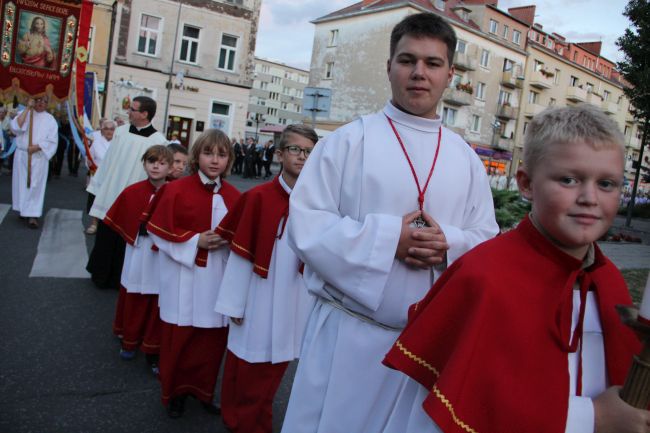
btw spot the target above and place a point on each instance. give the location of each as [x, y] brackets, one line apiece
[38, 40]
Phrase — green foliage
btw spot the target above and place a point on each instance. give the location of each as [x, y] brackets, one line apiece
[509, 208]
[638, 211]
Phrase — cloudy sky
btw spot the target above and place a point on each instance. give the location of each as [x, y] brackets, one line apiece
[286, 34]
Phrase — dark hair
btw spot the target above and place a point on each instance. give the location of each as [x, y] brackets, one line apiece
[177, 148]
[425, 25]
[32, 28]
[158, 152]
[304, 130]
[146, 104]
[210, 139]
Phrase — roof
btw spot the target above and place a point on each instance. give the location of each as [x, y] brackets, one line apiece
[378, 5]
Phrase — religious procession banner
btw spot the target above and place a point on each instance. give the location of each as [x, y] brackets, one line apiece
[37, 49]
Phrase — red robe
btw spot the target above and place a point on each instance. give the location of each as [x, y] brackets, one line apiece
[136, 314]
[252, 225]
[180, 212]
[490, 339]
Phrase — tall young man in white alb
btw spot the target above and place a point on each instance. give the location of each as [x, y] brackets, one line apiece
[381, 208]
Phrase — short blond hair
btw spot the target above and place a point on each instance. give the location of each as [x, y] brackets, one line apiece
[567, 126]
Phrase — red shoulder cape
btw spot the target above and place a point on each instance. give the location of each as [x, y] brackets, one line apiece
[252, 225]
[183, 208]
[124, 215]
[489, 339]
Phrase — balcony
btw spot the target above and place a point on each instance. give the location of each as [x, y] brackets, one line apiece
[533, 110]
[540, 81]
[510, 79]
[610, 107]
[505, 143]
[629, 117]
[465, 61]
[633, 142]
[576, 94]
[456, 97]
[507, 112]
[594, 99]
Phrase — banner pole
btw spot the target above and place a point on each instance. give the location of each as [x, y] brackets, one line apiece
[29, 143]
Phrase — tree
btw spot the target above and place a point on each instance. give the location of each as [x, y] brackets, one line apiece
[635, 67]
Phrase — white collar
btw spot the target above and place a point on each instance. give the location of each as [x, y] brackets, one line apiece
[284, 185]
[146, 126]
[409, 120]
[205, 180]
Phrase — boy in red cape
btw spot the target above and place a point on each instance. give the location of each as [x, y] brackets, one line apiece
[521, 334]
[263, 292]
[136, 315]
[192, 261]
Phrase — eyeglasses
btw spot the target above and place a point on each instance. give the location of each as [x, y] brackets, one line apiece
[295, 150]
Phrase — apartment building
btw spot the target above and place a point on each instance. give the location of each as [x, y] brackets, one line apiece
[351, 47]
[195, 58]
[562, 73]
[275, 99]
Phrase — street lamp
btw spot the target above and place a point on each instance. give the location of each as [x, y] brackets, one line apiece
[259, 117]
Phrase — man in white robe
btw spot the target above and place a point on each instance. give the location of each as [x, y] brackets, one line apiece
[29, 200]
[352, 216]
[121, 167]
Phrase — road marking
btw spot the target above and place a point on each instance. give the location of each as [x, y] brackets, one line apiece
[4, 208]
[62, 247]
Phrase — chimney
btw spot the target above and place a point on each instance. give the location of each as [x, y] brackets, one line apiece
[594, 47]
[524, 13]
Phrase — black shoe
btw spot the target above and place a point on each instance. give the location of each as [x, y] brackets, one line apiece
[176, 407]
[210, 408]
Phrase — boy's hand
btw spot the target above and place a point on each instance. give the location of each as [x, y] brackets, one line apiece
[421, 247]
[613, 415]
[33, 148]
[209, 240]
[237, 320]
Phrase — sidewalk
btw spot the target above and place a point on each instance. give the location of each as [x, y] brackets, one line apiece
[630, 255]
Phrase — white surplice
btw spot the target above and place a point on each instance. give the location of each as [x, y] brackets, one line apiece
[346, 214]
[188, 292]
[99, 148]
[45, 133]
[275, 309]
[141, 268]
[121, 167]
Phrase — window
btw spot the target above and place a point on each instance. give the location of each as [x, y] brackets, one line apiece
[449, 116]
[504, 97]
[271, 111]
[627, 131]
[189, 44]
[480, 91]
[475, 126]
[439, 4]
[220, 116]
[575, 56]
[284, 105]
[505, 31]
[538, 66]
[227, 52]
[525, 127]
[150, 28]
[274, 96]
[573, 81]
[533, 97]
[549, 43]
[508, 65]
[282, 121]
[494, 27]
[456, 80]
[552, 102]
[556, 77]
[329, 70]
[590, 87]
[485, 58]
[606, 95]
[516, 37]
[461, 46]
[276, 80]
[91, 35]
[334, 38]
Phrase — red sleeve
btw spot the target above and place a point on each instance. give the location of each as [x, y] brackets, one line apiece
[163, 221]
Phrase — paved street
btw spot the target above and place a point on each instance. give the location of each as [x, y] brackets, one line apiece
[60, 370]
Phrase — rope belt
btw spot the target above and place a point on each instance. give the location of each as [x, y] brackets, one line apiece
[337, 304]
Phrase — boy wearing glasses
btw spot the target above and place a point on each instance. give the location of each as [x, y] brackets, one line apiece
[263, 292]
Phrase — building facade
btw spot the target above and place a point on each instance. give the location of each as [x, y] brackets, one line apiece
[195, 58]
[275, 99]
[507, 69]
